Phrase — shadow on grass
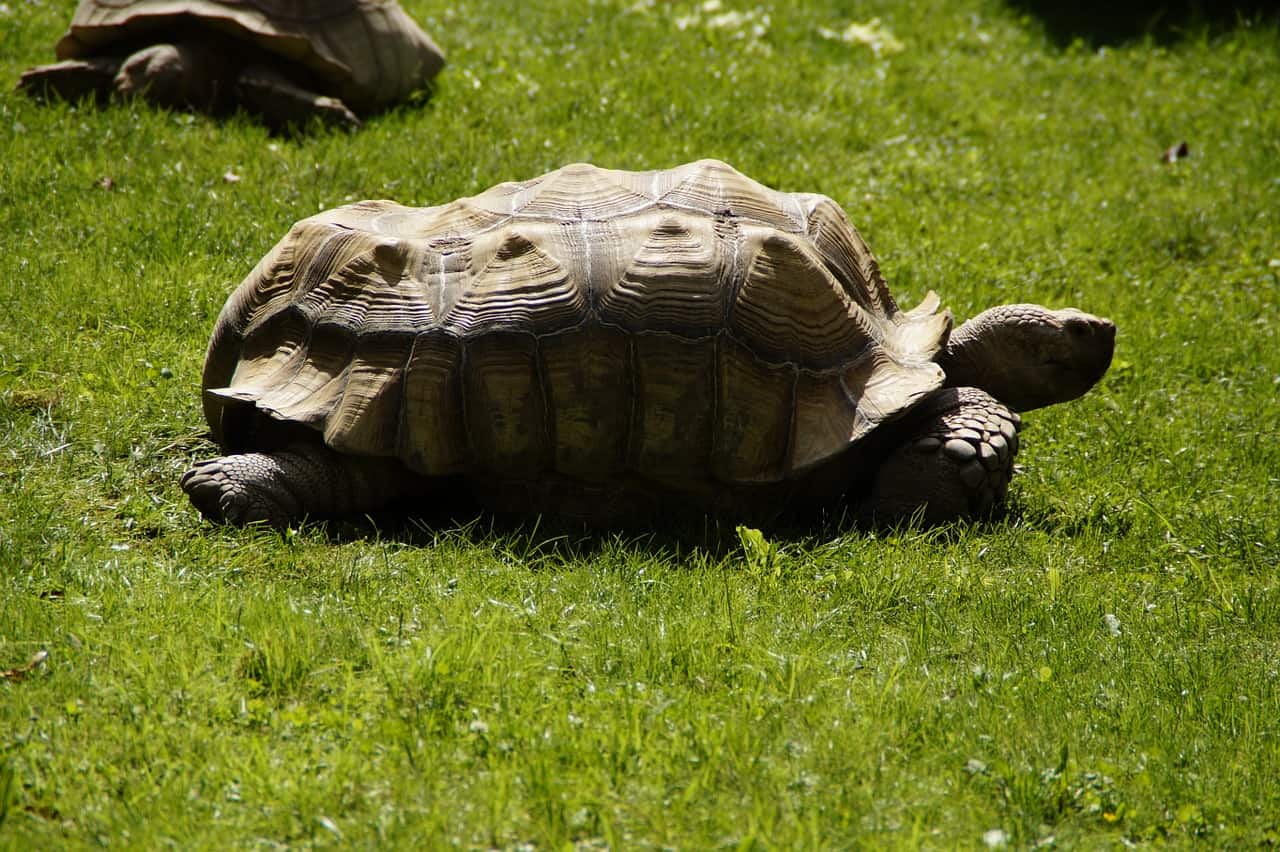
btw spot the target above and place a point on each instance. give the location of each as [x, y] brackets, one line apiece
[536, 539]
[1113, 22]
[532, 538]
[691, 538]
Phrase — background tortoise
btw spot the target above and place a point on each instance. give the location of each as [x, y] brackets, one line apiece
[599, 343]
[287, 60]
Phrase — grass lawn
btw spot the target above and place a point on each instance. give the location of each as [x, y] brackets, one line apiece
[1101, 666]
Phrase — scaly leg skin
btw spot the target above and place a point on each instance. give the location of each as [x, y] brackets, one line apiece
[72, 80]
[958, 464]
[173, 75]
[282, 103]
[283, 487]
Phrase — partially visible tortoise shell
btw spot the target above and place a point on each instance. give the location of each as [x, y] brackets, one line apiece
[688, 328]
[369, 53]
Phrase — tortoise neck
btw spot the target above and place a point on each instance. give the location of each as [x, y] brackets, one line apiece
[965, 358]
[982, 353]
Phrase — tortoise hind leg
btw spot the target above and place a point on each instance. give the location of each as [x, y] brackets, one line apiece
[957, 464]
[72, 79]
[282, 104]
[302, 480]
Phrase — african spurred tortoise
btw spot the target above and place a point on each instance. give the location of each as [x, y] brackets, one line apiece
[604, 344]
[288, 60]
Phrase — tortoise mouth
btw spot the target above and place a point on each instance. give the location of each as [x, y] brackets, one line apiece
[1093, 347]
[1075, 376]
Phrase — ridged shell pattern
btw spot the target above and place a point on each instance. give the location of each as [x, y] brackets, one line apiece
[687, 326]
[369, 51]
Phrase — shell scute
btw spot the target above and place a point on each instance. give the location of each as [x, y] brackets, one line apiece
[754, 409]
[673, 283]
[790, 308]
[826, 420]
[309, 394]
[843, 252]
[710, 186]
[576, 193]
[673, 427]
[587, 379]
[520, 287]
[431, 432]
[503, 404]
[365, 418]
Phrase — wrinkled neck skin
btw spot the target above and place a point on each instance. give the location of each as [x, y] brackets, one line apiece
[970, 356]
[1028, 356]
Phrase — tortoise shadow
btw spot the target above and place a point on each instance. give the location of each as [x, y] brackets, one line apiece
[540, 543]
[544, 540]
[546, 537]
[1100, 23]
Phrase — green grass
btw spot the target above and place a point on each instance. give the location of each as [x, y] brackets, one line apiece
[1099, 667]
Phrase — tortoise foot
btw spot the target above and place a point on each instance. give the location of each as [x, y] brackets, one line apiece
[71, 80]
[283, 104]
[171, 75]
[958, 464]
[280, 488]
[249, 487]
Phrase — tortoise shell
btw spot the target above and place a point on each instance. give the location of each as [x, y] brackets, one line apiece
[369, 53]
[689, 328]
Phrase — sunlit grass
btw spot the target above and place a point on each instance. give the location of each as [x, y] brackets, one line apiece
[1098, 667]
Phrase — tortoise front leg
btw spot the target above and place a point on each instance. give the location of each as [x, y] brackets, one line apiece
[958, 464]
[179, 75]
[282, 103]
[302, 480]
[73, 79]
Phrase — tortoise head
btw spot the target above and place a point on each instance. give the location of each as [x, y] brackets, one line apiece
[1028, 356]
